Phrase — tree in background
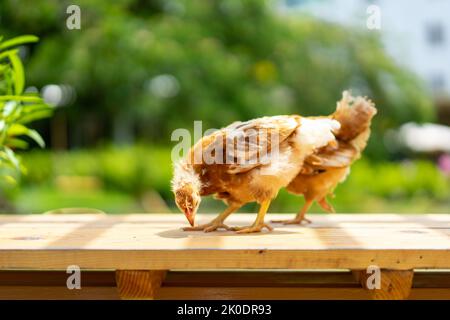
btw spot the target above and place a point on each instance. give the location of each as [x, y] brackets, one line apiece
[144, 68]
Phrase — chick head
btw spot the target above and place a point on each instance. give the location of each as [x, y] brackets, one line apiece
[187, 199]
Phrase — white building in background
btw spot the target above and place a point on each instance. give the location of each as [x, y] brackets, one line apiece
[416, 33]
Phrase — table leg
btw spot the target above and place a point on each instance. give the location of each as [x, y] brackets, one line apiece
[139, 284]
[394, 284]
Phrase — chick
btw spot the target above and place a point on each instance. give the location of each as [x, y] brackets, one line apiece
[247, 162]
[330, 165]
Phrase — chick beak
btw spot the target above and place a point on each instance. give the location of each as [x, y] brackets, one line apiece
[191, 220]
[190, 216]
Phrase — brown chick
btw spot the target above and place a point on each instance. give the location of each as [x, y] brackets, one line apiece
[247, 162]
[330, 165]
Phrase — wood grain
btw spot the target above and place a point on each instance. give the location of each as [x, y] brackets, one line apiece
[139, 284]
[395, 284]
[211, 293]
[216, 285]
[144, 242]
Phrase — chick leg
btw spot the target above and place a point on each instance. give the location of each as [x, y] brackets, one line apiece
[217, 222]
[259, 224]
[325, 205]
[300, 217]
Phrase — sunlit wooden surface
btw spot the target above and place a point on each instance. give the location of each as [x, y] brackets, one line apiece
[150, 241]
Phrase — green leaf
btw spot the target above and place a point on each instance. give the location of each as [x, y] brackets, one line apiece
[16, 143]
[33, 134]
[12, 157]
[19, 129]
[8, 108]
[23, 98]
[18, 41]
[9, 179]
[19, 79]
[32, 116]
[6, 54]
[3, 68]
[16, 108]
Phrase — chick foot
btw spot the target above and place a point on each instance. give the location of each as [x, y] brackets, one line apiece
[208, 227]
[326, 206]
[252, 228]
[300, 217]
[292, 221]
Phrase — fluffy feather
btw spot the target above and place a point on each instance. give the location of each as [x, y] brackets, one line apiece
[184, 174]
[328, 166]
[260, 167]
[251, 161]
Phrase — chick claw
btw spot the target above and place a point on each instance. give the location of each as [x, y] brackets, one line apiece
[253, 228]
[208, 227]
[292, 221]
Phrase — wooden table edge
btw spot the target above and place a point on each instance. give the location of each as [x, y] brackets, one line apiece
[395, 259]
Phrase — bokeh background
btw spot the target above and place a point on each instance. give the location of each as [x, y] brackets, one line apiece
[137, 70]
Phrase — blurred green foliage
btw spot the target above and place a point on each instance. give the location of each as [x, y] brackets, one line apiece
[145, 68]
[41, 199]
[412, 186]
[17, 108]
[141, 69]
[131, 170]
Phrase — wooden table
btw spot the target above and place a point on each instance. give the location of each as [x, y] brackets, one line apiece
[148, 256]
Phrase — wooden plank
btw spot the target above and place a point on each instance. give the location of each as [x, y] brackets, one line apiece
[394, 284]
[57, 293]
[283, 293]
[263, 293]
[139, 284]
[286, 278]
[261, 279]
[55, 278]
[318, 220]
[215, 285]
[138, 242]
[208, 293]
[224, 259]
[429, 294]
[162, 232]
[430, 279]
